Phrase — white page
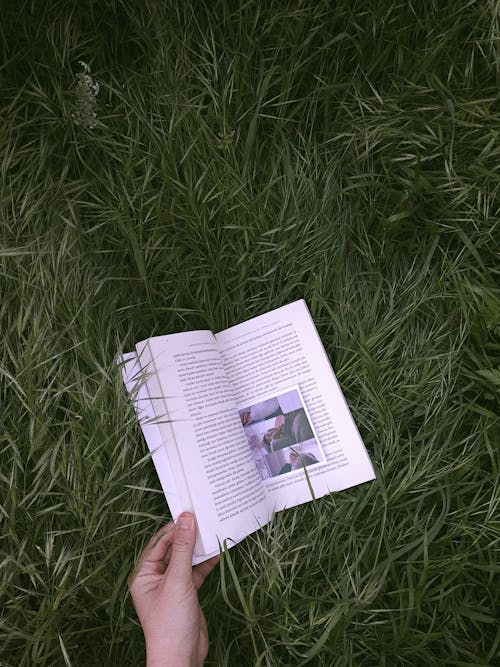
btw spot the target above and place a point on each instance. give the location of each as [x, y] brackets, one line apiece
[187, 382]
[280, 354]
[132, 378]
[173, 485]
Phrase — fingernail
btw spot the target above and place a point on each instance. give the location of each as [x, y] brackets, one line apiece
[185, 521]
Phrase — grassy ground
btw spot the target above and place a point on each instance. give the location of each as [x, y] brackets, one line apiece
[345, 152]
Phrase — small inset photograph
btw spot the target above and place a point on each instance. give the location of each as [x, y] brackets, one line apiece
[293, 458]
[280, 434]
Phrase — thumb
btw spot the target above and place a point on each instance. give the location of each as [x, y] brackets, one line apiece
[180, 566]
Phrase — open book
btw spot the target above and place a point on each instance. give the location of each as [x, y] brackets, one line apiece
[244, 423]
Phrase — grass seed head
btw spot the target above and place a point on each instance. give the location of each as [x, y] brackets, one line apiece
[86, 93]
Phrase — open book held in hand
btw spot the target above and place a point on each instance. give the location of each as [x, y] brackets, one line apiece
[244, 423]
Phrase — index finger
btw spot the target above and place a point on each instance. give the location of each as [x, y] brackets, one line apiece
[152, 556]
[201, 571]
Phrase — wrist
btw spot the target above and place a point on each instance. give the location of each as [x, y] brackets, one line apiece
[167, 655]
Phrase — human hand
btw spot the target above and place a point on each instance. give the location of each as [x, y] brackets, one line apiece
[279, 422]
[268, 436]
[246, 417]
[164, 587]
[278, 432]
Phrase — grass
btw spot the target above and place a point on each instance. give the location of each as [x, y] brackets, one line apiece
[245, 155]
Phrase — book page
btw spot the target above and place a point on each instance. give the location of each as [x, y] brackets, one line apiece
[291, 407]
[177, 498]
[191, 393]
[173, 485]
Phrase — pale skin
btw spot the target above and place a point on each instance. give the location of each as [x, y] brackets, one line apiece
[164, 587]
[276, 431]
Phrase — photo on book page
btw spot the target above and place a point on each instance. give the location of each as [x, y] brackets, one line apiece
[280, 433]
